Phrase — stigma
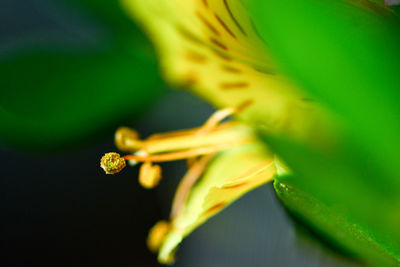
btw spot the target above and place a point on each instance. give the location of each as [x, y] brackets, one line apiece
[112, 163]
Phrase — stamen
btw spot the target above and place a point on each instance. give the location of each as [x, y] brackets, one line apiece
[169, 142]
[192, 145]
[222, 114]
[112, 163]
[210, 125]
[127, 140]
[216, 118]
[190, 153]
[149, 175]
[157, 235]
[186, 184]
[197, 166]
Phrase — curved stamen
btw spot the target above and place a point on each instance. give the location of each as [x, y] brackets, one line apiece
[187, 182]
[127, 140]
[215, 119]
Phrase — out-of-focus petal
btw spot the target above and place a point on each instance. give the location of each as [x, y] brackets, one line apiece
[212, 48]
[229, 175]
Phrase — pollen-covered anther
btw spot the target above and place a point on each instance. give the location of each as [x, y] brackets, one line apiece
[127, 140]
[157, 235]
[112, 163]
[149, 175]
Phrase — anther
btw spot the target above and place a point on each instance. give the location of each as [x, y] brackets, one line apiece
[112, 163]
[149, 175]
[157, 235]
[127, 140]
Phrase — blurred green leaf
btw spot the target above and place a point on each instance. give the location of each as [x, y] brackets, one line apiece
[346, 55]
[53, 95]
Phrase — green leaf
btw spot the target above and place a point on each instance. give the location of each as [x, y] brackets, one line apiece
[346, 188]
[346, 54]
[339, 230]
[59, 92]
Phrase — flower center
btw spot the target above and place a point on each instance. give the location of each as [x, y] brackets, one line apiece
[213, 136]
[197, 146]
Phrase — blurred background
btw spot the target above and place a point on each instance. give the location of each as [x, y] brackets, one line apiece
[71, 73]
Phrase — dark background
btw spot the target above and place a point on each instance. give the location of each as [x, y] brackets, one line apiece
[60, 209]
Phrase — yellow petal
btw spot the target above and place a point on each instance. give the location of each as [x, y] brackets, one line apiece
[230, 174]
[211, 47]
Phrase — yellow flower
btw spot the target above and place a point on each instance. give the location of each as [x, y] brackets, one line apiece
[225, 160]
[212, 48]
